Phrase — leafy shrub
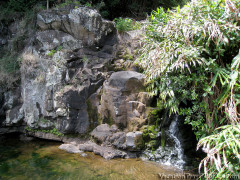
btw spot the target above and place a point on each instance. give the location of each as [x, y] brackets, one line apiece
[123, 24]
[223, 149]
[191, 60]
[126, 24]
[21, 5]
[185, 48]
[88, 4]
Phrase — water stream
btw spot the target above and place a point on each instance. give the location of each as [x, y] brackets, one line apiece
[171, 154]
[43, 160]
[173, 130]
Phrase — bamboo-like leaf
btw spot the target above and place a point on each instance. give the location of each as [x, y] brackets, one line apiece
[225, 159]
[236, 62]
[223, 97]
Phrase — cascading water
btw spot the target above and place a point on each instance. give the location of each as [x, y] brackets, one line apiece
[173, 129]
[172, 153]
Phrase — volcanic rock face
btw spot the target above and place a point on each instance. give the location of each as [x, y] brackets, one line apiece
[63, 68]
[67, 84]
[83, 24]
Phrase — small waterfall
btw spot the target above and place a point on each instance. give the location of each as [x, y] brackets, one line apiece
[173, 153]
[173, 130]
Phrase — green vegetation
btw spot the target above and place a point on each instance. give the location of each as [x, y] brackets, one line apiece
[53, 51]
[52, 131]
[9, 65]
[125, 24]
[191, 60]
[68, 2]
[150, 132]
[24, 14]
[223, 149]
[115, 8]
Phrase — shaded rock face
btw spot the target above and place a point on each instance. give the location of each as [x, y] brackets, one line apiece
[2, 112]
[11, 112]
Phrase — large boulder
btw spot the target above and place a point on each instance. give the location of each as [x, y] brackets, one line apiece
[111, 136]
[124, 101]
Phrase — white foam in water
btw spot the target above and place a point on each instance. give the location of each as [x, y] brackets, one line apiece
[172, 156]
[173, 134]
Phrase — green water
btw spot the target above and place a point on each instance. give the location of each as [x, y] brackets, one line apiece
[43, 160]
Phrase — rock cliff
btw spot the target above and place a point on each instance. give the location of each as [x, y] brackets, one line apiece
[69, 85]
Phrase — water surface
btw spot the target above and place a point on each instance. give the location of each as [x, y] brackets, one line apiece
[40, 160]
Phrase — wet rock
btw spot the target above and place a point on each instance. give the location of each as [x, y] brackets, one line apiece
[108, 153]
[12, 108]
[47, 136]
[65, 65]
[12, 129]
[118, 140]
[105, 152]
[127, 81]
[52, 39]
[70, 148]
[12, 98]
[87, 146]
[25, 138]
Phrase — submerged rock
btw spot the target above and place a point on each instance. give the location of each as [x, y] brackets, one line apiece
[70, 148]
[105, 152]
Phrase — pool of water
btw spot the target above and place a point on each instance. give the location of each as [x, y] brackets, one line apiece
[41, 159]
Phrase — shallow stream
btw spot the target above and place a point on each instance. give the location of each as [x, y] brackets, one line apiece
[40, 160]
